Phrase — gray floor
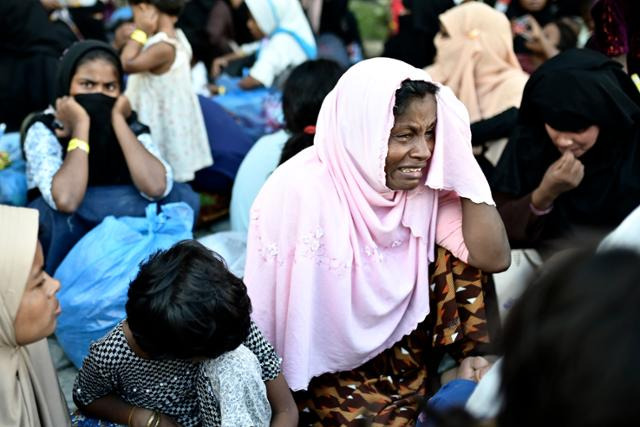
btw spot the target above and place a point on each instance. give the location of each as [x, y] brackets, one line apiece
[66, 371]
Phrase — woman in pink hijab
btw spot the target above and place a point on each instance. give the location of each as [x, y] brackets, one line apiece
[343, 236]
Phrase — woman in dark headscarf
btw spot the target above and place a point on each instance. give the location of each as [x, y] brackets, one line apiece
[414, 41]
[574, 159]
[81, 154]
[30, 45]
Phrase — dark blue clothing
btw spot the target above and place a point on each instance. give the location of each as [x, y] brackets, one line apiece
[229, 144]
[452, 395]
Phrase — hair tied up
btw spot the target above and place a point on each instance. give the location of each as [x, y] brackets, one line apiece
[310, 130]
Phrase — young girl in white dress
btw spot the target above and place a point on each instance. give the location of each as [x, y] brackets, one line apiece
[158, 57]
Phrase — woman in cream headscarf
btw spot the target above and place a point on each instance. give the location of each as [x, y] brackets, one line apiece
[29, 391]
[475, 59]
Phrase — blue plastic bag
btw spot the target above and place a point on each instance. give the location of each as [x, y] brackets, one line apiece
[95, 275]
[13, 178]
[252, 109]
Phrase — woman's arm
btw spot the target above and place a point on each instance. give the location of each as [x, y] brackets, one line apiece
[109, 407]
[523, 226]
[157, 59]
[114, 409]
[221, 62]
[147, 172]
[485, 237]
[283, 407]
[70, 181]
[472, 232]
[496, 127]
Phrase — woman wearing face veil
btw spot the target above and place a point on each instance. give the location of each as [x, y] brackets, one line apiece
[89, 157]
[29, 392]
[573, 161]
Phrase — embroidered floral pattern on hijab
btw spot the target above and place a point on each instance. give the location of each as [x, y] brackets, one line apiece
[337, 263]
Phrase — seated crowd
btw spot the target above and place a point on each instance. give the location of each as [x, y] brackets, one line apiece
[374, 208]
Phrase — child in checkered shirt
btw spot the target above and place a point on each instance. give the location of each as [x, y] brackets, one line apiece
[187, 354]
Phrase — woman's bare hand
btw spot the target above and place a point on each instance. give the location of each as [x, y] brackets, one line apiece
[473, 368]
[563, 175]
[122, 107]
[70, 114]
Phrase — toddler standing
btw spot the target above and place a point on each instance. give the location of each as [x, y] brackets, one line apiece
[158, 57]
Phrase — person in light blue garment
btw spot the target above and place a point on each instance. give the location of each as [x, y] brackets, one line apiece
[13, 179]
[304, 92]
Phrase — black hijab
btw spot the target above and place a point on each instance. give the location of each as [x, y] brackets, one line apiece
[571, 91]
[107, 165]
[25, 30]
[71, 58]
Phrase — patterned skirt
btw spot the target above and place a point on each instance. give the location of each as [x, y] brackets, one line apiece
[389, 390]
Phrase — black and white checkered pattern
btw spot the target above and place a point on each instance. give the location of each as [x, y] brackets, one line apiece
[169, 386]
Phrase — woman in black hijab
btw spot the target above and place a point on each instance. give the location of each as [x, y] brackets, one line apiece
[573, 161]
[414, 41]
[30, 46]
[89, 157]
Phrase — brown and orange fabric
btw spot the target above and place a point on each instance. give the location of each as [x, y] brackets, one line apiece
[389, 389]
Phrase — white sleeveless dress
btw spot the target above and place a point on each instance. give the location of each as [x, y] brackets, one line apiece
[167, 104]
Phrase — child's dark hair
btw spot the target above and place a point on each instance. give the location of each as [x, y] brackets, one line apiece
[572, 343]
[410, 90]
[305, 89]
[184, 303]
[170, 7]
[571, 346]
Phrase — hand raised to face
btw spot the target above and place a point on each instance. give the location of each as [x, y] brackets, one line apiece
[70, 114]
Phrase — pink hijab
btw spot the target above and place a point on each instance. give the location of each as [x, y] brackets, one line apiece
[337, 263]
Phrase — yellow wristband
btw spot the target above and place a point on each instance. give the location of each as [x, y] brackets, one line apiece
[636, 80]
[139, 36]
[78, 143]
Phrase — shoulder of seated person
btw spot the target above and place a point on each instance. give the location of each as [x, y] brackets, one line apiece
[39, 126]
[284, 40]
[301, 174]
[107, 345]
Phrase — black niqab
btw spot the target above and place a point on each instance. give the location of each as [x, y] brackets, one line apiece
[574, 90]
